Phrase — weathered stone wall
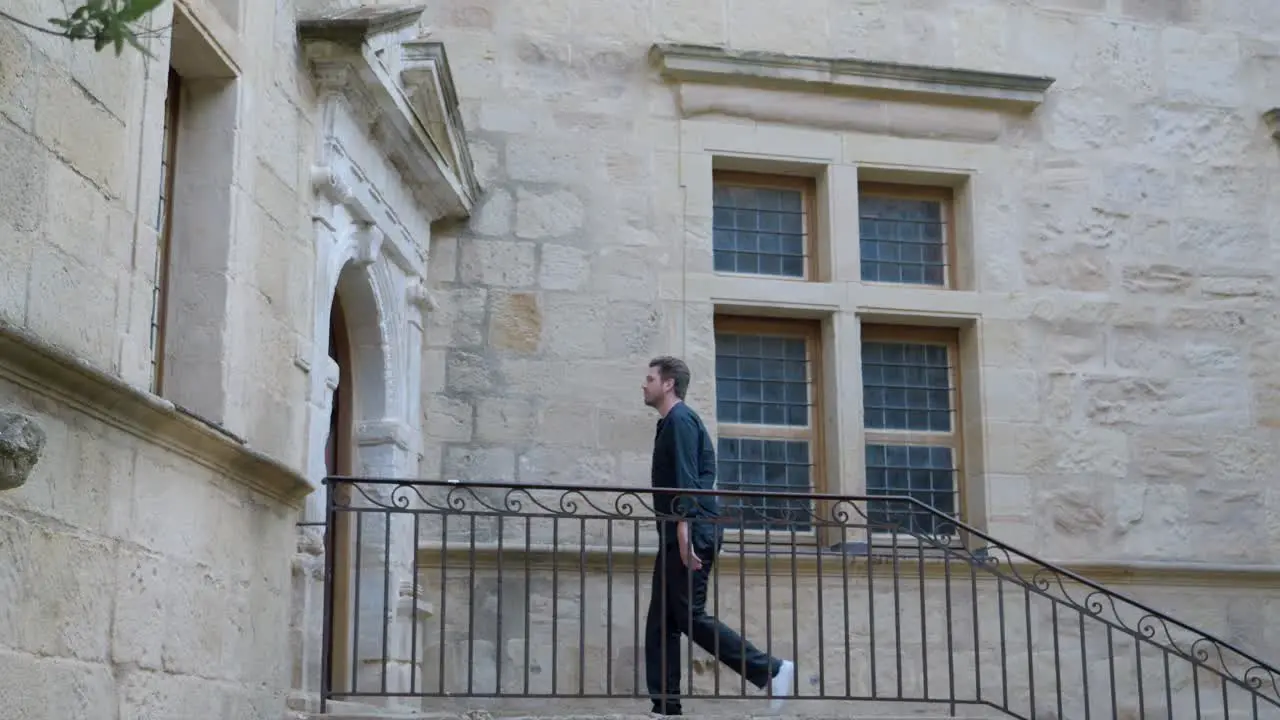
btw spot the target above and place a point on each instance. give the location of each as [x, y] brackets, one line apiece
[1123, 251]
[1124, 272]
[81, 138]
[136, 581]
[1122, 243]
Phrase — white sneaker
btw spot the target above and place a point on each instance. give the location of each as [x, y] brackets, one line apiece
[783, 685]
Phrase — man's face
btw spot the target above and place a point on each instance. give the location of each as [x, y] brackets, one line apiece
[653, 388]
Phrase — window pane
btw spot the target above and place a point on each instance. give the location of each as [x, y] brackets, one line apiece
[759, 231]
[925, 473]
[902, 240]
[754, 465]
[906, 386]
[762, 379]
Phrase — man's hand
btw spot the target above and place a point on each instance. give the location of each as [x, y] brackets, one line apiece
[687, 555]
[691, 559]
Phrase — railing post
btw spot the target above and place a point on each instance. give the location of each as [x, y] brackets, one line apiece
[326, 647]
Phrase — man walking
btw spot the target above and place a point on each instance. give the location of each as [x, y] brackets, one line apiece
[689, 539]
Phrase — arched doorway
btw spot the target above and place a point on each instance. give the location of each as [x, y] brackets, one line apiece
[340, 460]
[339, 448]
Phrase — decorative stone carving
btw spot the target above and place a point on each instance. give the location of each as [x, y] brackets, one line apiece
[428, 84]
[330, 185]
[368, 245]
[356, 54]
[420, 297]
[1272, 118]
[21, 443]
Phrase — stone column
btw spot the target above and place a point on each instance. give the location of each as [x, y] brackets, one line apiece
[386, 556]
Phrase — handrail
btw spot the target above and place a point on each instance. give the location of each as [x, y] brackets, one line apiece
[1048, 580]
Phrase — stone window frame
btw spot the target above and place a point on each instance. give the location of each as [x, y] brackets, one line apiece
[811, 331]
[807, 185]
[845, 122]
[954, 439]
[839, 164]
[185, 344]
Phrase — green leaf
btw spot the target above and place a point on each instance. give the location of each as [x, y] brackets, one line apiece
[133, 40]
[134, 9]
[79, 31]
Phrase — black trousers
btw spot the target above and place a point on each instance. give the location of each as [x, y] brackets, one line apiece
[677, 605]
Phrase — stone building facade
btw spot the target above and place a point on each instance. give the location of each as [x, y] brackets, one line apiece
[312, 237]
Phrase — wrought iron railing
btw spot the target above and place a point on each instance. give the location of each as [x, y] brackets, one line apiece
[512, 593]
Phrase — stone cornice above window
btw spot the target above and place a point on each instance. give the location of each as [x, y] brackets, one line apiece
[400, 85]
[850, 77]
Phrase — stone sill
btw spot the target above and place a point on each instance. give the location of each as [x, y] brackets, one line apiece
[705, 64]
[31, 363]
[565, 559]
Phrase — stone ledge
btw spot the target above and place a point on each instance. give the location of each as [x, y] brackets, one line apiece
[51, 372]
[208, 46]
[706, 64]
[353, 25]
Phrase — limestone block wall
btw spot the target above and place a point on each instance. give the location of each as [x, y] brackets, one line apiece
[142, 576]
[81, 134]
[138, 578]
[1123, 250]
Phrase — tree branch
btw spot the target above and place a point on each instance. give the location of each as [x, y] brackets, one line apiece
[33, 26]
[105, 22]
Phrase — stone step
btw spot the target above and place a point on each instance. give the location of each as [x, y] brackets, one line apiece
[785, 715]
[795, 712]
[634, 709]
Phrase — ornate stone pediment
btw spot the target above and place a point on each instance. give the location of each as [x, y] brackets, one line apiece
[428, 81]
[398, 83]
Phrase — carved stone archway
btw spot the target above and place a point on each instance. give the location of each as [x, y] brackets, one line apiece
[391, 159]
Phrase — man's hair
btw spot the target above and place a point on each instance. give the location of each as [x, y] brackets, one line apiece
[672, 368]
